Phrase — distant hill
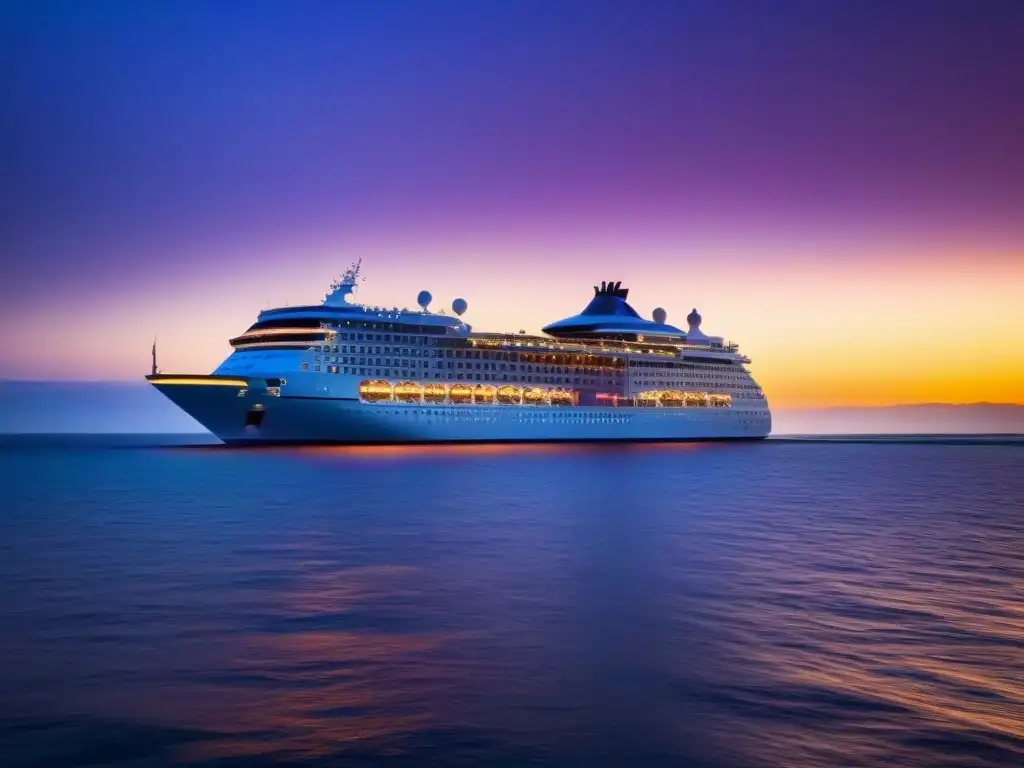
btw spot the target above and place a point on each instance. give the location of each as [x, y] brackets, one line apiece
[135, 407]
[928, 418]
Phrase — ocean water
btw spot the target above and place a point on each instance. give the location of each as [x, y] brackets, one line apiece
[786, 603]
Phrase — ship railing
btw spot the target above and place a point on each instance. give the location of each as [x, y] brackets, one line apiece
[590, 349]
[533, 342]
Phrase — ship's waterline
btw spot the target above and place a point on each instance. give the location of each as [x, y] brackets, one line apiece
[257, 418]
[348, 373]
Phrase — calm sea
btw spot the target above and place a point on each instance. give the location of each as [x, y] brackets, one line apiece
[776, 604]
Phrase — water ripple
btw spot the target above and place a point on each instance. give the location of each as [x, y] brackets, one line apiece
[781, 604]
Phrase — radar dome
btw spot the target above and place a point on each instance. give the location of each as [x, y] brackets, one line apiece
[459, 306]
[694, 318]
[424, 299]
[660, 316]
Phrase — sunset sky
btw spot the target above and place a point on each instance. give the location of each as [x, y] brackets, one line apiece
[837, 186]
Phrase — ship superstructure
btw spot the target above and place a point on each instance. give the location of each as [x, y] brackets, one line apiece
[343, 372]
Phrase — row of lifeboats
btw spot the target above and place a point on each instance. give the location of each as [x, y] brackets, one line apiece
[677, 399]
[378, 390]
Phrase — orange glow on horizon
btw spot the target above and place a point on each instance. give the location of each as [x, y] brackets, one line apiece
[822, 327]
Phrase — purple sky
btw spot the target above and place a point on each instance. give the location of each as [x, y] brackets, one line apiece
[186, 144]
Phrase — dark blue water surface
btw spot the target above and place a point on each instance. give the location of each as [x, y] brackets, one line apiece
[771, 604]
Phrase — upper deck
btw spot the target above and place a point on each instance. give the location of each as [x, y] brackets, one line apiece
[608, 325]
[529, 343]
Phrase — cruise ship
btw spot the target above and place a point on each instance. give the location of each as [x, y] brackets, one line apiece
[343, 372]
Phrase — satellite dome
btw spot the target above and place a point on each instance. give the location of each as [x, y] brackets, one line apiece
[660, 316]
[459, 306]
[694, 318]
[423, 299]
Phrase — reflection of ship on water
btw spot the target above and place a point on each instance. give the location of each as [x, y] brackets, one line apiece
[349, 373]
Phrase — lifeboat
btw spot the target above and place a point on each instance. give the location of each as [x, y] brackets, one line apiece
[408, 392]
[561, 397]
[534, 396]
[671, 398]
[375, 391]
[435, 393]
[698, 399]
[460, 394]
[483, 394]
[510, 395]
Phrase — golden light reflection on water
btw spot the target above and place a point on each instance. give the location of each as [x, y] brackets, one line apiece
[285, 691]
[320, 692]
[440, 450]
[926, 653]
[469, 450]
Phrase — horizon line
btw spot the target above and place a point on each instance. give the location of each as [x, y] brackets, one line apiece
[933, 404]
